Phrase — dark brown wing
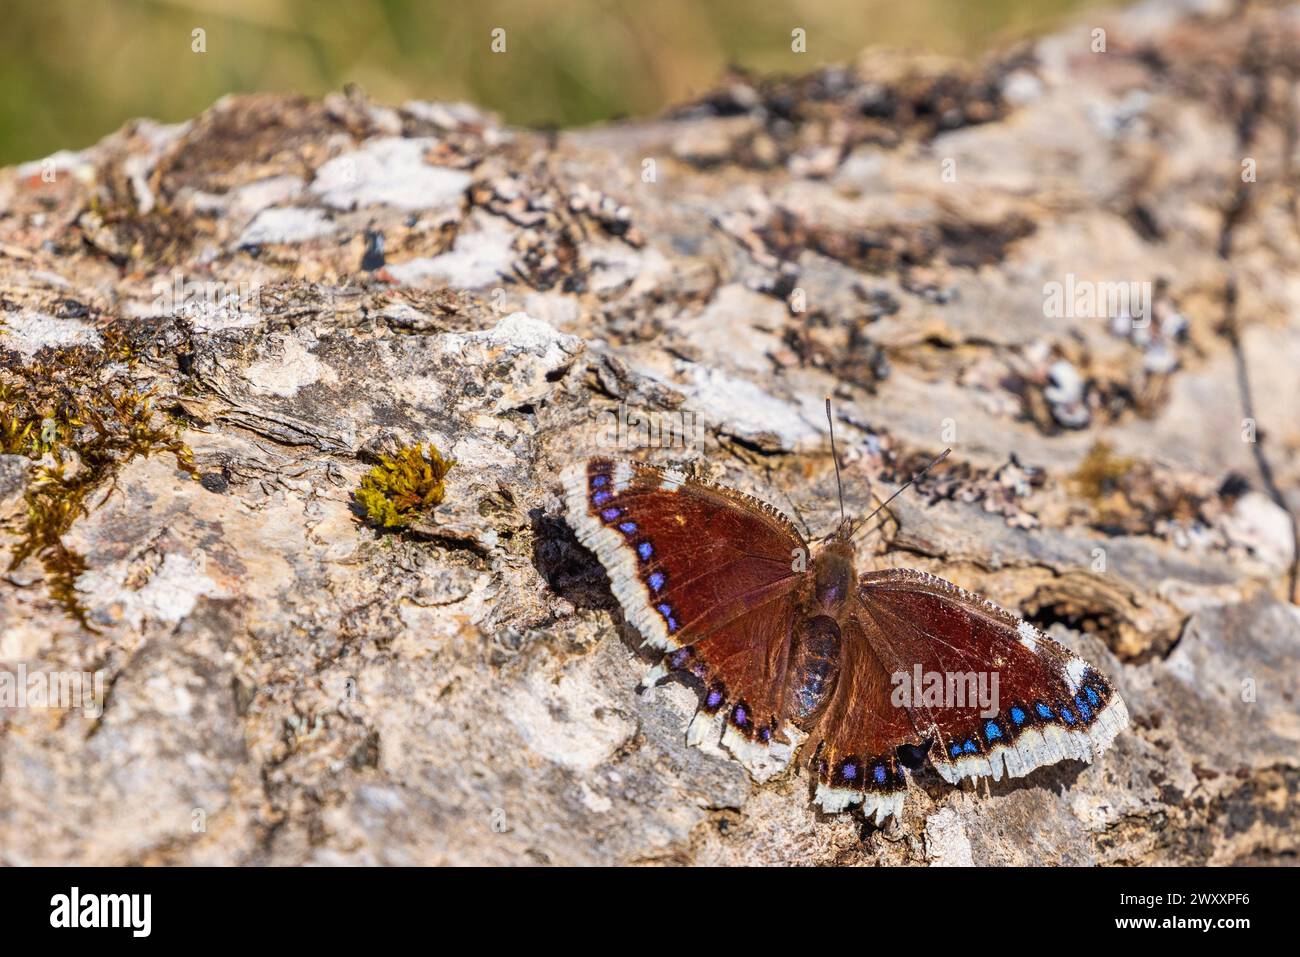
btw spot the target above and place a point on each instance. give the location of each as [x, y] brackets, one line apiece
[853, 746]
[742, 667]
[986, 693]
[707, 575]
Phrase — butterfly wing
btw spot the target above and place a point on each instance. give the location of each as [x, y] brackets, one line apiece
[951, 646]
[742, 667]
[854, 745]
[707, 575]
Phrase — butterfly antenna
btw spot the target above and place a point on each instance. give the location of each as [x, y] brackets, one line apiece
[937, 459]
[835, 456]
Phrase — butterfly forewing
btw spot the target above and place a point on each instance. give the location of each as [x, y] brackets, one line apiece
[707, 575]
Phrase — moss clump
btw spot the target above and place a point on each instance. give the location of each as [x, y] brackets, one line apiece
[79, 416]
[403, 486]
[1101, 473]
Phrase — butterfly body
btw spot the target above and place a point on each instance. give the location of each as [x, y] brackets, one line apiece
[814, 667]
[823, 611]
[807, 656]
[833, 577]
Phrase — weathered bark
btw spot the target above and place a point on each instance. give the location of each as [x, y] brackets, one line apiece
[285, 684]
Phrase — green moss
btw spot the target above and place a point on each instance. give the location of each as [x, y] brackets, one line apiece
[79, 416]
[403, 486]
[1101, 472]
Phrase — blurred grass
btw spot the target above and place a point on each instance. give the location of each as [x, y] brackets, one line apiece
[72, 71]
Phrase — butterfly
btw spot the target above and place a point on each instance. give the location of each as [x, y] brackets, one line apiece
[796, 653]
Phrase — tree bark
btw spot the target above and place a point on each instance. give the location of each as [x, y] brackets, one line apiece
[286, 684]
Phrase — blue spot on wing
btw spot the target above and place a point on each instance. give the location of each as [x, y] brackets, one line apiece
[969, 747]
[992, 731]
[600, 498]
[600, 481]
[645, 551]
[1017, 715]
[1043, 710]
[1067, 716]
[656, 581]
[1092, 696]
[879, 774]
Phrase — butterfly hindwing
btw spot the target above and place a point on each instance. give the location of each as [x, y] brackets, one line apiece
[854, 745]
[742, 668]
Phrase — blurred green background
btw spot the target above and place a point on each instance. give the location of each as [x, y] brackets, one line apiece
[74, 70]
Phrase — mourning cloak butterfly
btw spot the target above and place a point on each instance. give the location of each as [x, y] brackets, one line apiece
[803, 654]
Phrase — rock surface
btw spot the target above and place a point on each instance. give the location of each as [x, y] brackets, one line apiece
[307, 284]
